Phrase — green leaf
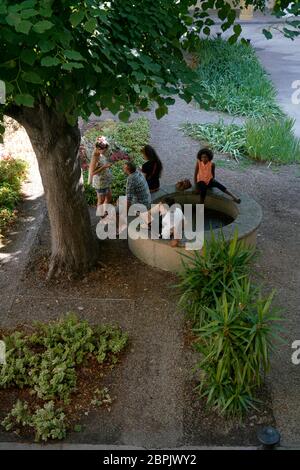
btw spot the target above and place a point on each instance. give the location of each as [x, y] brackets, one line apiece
[237, 29]
[42, 26]
[267, 34]
[29, 13]
[72, 65]
[161, 111]
[124, 116]
[50, 61]
[3, 9]
[23, 27]
[97, 68]
[28, 56]
[46, 45]
[73, 55]
[91, 25]
[31, 77]
[25, 100]
[77, 17]
[13, 19]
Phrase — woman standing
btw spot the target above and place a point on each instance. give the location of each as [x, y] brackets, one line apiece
[152, 168]
[100, 175]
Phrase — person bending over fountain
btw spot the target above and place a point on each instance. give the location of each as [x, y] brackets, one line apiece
[204, 176]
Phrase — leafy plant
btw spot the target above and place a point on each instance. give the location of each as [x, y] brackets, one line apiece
[46, 363]
[272, 141]
[262, 140]
[12, 173]
[206, 273]
[47, 422]
[233, 80]
[235, 345]
[228, 139]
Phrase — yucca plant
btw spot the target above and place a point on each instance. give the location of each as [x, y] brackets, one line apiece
[206, 273]
[235, 344]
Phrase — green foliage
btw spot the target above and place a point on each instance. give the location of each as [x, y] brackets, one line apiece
[8, 197]
[47, 422]
[262, 140]
[272, 141]
[229, 139]
[207, 272]
[233, 324]
[135, 59]
[235, 345]
[12, 173]
[46, 361]
[233, 80]
[7, 216]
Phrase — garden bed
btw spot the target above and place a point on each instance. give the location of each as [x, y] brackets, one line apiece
[54, 374]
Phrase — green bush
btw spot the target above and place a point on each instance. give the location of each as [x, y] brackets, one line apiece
[8, 196]
[233, 80]
[260, 139]
[206, 274]
[235, 344]
[47, 422]
[46, 361]
[234, 326]
[230, 138]
[7, 216]
[13, 172]
[272, 141]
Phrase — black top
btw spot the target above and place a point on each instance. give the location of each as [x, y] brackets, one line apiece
[150, 169]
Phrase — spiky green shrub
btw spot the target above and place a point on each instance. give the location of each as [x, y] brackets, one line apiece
[235, 345]
[206, 273]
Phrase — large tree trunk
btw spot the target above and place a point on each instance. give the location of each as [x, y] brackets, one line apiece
[56, 143]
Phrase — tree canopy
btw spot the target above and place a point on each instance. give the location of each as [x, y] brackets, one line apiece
[83, 56]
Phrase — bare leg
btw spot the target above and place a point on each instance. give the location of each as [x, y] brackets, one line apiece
[100, 202]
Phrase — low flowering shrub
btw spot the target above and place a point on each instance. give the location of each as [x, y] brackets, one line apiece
[12, 173]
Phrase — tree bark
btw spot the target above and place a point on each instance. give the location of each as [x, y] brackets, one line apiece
[56, 144]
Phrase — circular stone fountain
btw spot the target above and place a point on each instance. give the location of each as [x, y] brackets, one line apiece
[221, 215]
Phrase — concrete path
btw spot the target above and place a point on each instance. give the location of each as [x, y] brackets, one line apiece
[15, 250]
[281, 58]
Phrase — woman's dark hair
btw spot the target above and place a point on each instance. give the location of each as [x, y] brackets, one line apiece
[169, 200]
[205, 151]
[152, 156]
